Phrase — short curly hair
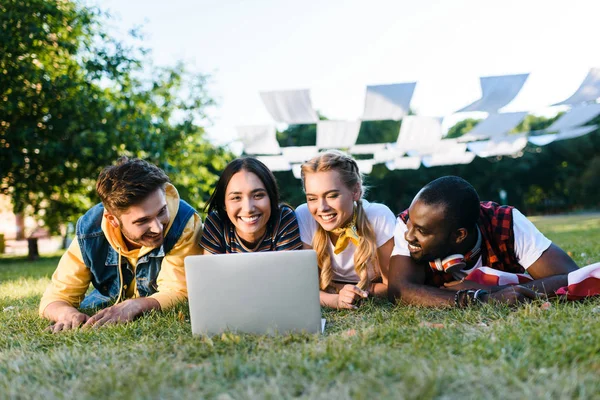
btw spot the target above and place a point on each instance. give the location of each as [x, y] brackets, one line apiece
[128, 182]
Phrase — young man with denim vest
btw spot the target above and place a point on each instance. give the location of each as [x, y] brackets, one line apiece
[450, 249]
[130, 247]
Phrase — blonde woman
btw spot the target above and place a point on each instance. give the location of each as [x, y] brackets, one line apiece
[352, 237]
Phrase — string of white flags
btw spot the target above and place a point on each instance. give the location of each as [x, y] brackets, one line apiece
[420, 140]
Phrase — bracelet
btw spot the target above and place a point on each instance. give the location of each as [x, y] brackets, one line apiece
[467, 297]
[458, 298]
[479, 293]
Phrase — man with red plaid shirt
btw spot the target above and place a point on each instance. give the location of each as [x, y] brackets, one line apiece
[453, 250]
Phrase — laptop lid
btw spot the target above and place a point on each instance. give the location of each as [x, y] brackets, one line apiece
[264, 292]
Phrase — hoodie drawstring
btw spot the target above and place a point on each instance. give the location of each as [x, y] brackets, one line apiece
[120, 277]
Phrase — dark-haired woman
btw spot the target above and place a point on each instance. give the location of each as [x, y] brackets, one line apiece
[244, 212]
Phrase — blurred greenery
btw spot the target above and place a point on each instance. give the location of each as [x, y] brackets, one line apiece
[561, 176]
[74, 99]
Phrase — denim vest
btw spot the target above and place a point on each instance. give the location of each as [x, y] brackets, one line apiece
[103, 261]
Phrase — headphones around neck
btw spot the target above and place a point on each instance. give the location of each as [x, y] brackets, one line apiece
[457, 262]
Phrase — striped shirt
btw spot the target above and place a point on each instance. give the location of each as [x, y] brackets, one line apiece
[219, 237]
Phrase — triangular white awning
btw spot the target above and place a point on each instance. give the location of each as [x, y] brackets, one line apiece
[259, 139]
[450, 158]
[589, 90]
[403, 163]
[576, 116]
[275, 163]
[419, 134]
[543, 140]
[337, 134]
[441, 146]
[366, 166]
[496, 92]
[369, 148]
[495, 125]
[299, 154]
[509, 145]
[297, 171]
[290, 106]
[388, 102]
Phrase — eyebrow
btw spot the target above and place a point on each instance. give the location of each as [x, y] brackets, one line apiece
[252, 192]
[142, 219]
[326, 193]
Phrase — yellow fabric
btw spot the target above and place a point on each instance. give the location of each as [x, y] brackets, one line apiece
[72, 278]
[346, 235]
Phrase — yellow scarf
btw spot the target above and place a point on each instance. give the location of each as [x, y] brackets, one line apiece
[346, 234]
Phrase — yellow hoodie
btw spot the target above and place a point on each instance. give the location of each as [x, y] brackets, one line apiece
[72, 278]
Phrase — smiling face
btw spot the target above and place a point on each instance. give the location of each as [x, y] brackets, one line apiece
[329, 200]
[247, 205]
[143, 224]
[427, 234]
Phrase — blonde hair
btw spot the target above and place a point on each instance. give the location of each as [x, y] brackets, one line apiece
[367, 249]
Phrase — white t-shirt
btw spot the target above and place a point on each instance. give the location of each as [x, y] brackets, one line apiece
[382, 221]
[529, 242]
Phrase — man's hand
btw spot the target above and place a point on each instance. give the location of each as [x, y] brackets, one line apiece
[513, 295]
[71, 319]
[123, 312]
[348, 295]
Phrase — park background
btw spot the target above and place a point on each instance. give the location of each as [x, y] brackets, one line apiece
[80, 87]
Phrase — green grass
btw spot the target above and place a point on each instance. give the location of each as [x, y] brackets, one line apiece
[380, 351]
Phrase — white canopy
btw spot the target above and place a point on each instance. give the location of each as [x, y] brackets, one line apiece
[297, 171]
[419, 133]
[589, 90]
[369, 148]
[299, 154]
[290, 106]
[496, 92]
[495, 125]
[388, 102]
[275, 163]
[259, 139]
[365, 166]
[404, 163]
[543, 140]
[575, 117]
[441, 146]
[500, 146]
[450, 158]
[337, 134]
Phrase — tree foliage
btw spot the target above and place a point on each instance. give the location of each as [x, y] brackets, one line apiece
[74, 99]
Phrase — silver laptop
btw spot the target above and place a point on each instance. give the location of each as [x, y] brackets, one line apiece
[270, 292]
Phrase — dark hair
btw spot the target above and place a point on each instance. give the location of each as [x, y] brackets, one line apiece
[128, 182]
[217, 199]
[458, 197]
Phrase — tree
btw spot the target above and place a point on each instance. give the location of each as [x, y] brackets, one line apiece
[74, 99]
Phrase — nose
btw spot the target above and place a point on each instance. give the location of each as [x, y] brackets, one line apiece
[248, 204]
[410, 232]
[323, 206]
[156, 226]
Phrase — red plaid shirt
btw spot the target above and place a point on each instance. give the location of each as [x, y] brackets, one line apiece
[498, 242]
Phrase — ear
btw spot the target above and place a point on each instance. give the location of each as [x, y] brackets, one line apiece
[460, 235]
[356, 193]
[112, 219]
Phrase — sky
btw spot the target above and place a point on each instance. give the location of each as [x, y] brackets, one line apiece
[336, 48]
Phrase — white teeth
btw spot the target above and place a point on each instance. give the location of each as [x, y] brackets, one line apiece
[250, 219]
[413, 248]
[328, 217]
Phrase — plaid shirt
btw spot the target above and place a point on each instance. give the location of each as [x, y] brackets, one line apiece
[498, 242]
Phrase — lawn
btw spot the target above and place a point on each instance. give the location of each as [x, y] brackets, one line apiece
[379, 351]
